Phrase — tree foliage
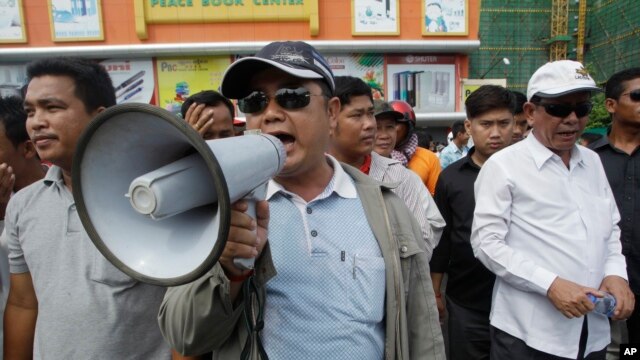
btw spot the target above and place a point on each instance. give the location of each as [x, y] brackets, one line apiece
[599, 116]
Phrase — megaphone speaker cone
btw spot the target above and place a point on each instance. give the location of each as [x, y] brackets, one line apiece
[131, 142]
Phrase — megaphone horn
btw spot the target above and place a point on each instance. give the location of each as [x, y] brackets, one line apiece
[155, 198]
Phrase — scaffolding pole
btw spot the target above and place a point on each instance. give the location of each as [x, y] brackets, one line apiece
[559, 25]
[582, 19]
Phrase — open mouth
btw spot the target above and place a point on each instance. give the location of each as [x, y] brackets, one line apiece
[567, 134]
[286, 139]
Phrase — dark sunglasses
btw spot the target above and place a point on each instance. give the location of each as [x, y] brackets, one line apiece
[564, 110]
[634, 95]
[287, 98]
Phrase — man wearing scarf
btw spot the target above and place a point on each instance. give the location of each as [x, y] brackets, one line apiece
[420, 160]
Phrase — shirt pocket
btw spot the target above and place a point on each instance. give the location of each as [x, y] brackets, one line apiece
[408, 249]
[367, 290]
[102, 271]
[601, 222]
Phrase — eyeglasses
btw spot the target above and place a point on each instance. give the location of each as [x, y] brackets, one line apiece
[634, 95]
[564, 110]
[287, 98]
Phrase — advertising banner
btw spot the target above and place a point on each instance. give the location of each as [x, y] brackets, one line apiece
[375, 17]
[12, 22]
[76, 20]
[427, 82]
[132, 79]
[368, 67]
[178, 78]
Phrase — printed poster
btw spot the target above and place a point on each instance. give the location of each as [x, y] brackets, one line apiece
[375, 17]
[132, 79]
[427, 82]
[76, 20]
[12, 78]
[11, 22]
[180, 77]
[445, 17]
[368, 67]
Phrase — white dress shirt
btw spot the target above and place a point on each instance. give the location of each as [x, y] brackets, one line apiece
[535, 219]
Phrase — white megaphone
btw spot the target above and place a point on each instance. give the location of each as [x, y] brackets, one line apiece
[155, 198]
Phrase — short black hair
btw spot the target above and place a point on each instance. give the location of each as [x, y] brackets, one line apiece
[518, 103]
[457, 127]
[14, 118]
[210, 98]
[349, 86]
[615, 85]
[487, 98]
[93, 86]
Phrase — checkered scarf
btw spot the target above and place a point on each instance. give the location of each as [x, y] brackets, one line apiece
[405, 151]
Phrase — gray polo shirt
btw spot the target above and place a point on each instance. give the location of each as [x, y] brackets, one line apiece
[87, 309]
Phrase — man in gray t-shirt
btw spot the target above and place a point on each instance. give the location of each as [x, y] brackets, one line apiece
[66, 301]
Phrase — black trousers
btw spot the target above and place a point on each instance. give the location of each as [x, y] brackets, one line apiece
[468, 333]
[633, 323]
[507, 347]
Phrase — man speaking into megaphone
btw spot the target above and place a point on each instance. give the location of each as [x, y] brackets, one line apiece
[352, 278]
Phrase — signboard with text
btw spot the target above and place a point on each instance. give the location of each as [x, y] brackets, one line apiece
[471, 85]
[208, 11]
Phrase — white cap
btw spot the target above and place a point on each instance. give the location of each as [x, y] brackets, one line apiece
[559, 78]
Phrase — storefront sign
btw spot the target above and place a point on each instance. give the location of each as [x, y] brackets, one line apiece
[208, 11]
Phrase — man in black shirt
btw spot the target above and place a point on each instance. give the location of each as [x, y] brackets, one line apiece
[620, 155]
[490, 123]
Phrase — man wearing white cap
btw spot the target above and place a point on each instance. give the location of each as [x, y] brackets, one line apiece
[545, 223]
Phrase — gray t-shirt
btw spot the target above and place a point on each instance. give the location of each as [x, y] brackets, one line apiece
[87, 308]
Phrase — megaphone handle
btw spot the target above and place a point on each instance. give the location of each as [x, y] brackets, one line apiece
[257, 194]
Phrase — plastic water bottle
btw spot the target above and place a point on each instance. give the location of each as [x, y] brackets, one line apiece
[604, 305]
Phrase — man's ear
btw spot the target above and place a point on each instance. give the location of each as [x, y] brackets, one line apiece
[467, 126]
[98, 111]
[529, 108]
[333, 109]
[28, 150]
[610, 104]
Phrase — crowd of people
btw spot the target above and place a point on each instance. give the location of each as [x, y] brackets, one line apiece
[358, 231]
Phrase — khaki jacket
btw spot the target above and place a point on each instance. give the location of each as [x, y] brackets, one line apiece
[198, 317]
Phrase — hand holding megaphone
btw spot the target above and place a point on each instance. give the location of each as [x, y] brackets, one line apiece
[247, 236]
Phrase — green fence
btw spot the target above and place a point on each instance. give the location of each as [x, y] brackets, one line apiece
[520, 29]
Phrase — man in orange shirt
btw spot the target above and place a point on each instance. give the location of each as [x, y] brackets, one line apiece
[420, 160]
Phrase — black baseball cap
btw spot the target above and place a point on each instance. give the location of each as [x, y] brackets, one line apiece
[382, 108]
[293, 57]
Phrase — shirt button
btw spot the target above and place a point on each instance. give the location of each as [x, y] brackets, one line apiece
[309, 210]
[403, 249]
[314, 233]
